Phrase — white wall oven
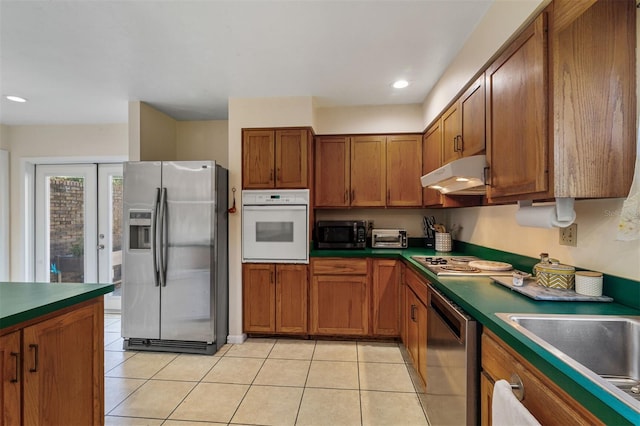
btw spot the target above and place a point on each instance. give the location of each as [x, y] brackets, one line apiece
[275, 226]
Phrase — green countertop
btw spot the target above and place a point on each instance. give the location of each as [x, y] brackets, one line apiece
[481, 298]
[21, 302]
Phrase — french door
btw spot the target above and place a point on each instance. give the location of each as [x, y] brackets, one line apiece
[78, 229]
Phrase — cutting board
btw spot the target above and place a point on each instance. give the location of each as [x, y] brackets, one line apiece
[538, 292]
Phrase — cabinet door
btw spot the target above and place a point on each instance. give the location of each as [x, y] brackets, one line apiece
[292, 157]
[421, 314]
[258, 159]
[517, 116]
[431, 161]
[402, 301]
[291, 298]
[368, 171]
[258, 295]
[412, 302]
[63, 368]
[450, 123]
[386, 284]
[404, 168]
[472, 107]
[486, 399]
[11, 378]
[332, 167]
[339, 305]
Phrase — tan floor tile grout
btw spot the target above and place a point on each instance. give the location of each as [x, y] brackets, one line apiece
[311, 360]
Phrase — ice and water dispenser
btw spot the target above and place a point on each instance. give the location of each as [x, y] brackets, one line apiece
[140, 230]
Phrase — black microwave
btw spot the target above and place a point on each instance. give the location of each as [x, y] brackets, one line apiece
[340, 234]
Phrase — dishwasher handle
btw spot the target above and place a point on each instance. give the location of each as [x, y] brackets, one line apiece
[455, 320]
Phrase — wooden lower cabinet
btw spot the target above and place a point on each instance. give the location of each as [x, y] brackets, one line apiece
[339, 300]
[385, 300]
[11, 378]
[415, 321]
[61, 375]
[274, 298]
[548, 403]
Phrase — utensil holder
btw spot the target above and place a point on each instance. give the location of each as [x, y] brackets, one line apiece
[443, 241]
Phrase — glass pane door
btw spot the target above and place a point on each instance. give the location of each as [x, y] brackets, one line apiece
[110, 231]
[66, 205]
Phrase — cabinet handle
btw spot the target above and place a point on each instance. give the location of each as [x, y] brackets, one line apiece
[34, 347]
[485, 173]
[15, 377]
[353, 195]
[413, 314]
[461, 145]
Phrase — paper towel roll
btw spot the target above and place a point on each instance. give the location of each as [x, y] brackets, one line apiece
[542, 217]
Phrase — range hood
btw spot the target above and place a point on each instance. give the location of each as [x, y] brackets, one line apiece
[464, 176]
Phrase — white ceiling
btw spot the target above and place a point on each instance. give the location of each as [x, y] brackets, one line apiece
[82, 61]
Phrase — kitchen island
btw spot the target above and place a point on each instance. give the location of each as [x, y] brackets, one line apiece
[51, 352]
[481, 298]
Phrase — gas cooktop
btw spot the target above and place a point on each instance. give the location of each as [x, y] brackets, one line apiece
[456, 265]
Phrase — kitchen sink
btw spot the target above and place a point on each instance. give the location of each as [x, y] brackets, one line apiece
[604, 348]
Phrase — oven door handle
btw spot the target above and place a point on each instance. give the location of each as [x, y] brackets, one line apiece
[279, 207]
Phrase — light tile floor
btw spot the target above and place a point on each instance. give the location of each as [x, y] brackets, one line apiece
[261, 382]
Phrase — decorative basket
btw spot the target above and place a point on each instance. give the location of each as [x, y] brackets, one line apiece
[555, 275]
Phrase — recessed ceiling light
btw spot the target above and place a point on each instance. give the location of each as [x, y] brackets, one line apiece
[15, 98]
[400, 84]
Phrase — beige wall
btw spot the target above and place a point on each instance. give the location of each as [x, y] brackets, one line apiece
[4, 139]
[47, 143]
[496, 227]
[502, 20]
[263, 112]
[369, 119]
[203, 140]
[157, 135]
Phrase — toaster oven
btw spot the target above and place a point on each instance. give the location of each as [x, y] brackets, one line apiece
[389, 238]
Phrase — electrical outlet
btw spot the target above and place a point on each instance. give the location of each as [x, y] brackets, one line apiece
[569, 235]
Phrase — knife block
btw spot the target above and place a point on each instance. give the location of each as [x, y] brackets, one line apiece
[430, 242]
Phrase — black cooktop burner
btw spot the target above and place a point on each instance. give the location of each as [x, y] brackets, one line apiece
[435, 260]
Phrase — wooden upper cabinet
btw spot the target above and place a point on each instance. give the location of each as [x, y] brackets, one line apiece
[517, 111]
[258, 159]
[450, 125]
[594, 66]
[463, 124]
[431, 161]
[292, 158]
[404, 168]
[332, 168]
[274, 158]
[368, 171]
[472, 119]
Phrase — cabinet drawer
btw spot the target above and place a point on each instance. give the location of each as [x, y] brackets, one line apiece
[543, 398]
[339, 266]
[417, 284]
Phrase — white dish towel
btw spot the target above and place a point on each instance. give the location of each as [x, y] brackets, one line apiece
[506, 410]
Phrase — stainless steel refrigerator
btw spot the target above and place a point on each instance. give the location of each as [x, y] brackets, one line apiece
[175, 264]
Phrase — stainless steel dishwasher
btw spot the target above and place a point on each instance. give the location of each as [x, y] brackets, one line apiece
[452, 363]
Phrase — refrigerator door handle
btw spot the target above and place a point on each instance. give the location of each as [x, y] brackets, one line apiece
[154, 246]
[164, 234]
